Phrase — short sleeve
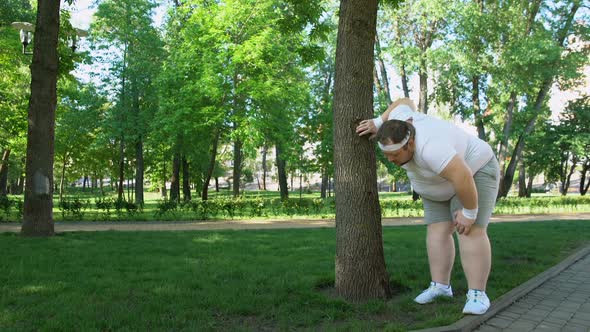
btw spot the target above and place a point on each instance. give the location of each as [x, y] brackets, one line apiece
[437, 155]
[402, 112]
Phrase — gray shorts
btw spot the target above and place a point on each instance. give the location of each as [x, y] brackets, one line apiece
[487, 180]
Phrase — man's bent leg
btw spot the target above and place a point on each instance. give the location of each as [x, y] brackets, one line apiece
[476, 257]
[441, 251]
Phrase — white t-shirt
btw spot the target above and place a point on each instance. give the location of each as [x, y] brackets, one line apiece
[437, 142]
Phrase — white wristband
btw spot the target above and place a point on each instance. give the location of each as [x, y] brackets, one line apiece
[378, 122]
[470, 214]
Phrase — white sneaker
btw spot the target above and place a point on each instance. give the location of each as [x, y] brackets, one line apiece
[435, 290]
[477, 302]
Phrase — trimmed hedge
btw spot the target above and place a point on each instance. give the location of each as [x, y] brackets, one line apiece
[260, 207]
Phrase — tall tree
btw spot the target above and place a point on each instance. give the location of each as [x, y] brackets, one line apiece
[14, 91]
[125, 29]
[78, 118]
[360, 263]
[38, 206]
[553, 62]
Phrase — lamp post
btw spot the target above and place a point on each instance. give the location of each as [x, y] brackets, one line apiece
[26, 35]
[79, 33]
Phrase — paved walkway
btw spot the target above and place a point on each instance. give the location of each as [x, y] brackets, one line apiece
[562, 303]
[260, 224]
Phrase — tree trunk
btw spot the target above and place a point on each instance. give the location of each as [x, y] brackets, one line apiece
[324, 184]
[539, 102]
[282, 170]
[128, 191]
[264, 170]
[63, 177]
[175, 180]
[163, 188]
[211, 166]
[216, 184]
[382, 71]
[4, 172]
[402, 69]
[120, 191]
[21, 185]
[423, 102]
[583, 177]
[529, 187]
[505, 137]
[300, 184]
[38, 205]
[139, 170]
[521, 180]
[509, 175]
[481, 132]
[565, 184]
[237, 170]
[186, 184]
[360, 263]
[377, 83]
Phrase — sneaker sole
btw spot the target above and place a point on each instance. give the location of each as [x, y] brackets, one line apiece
[433, 299]
[474, 313]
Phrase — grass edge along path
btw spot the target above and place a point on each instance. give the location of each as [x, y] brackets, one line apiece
[264, 208]
[236, 280]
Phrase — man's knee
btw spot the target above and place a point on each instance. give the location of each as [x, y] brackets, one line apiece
[440, 229]
[476, 231]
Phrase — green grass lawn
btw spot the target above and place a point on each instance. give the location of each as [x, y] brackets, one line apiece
[266, 205]
[242, 280]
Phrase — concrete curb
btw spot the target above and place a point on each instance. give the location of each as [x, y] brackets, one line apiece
[469, 323]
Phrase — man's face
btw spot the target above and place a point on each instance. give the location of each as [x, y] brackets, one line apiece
[403, 155]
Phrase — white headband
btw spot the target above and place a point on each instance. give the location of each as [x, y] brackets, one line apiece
[394, 147]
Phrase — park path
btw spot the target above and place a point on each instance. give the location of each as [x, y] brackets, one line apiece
[261, 224]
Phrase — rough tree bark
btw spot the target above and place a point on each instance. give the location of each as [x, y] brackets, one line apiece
[38, 205]
[360, 263]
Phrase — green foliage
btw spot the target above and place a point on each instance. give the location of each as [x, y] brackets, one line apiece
[73, 208]
[6, 205]
[16, 11]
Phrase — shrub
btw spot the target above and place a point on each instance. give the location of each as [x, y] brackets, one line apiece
[73, 208]
[105, 204]
[5, 205]
[166, 206]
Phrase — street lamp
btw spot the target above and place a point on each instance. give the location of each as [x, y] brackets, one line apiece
[79, 33]
[26, 35]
